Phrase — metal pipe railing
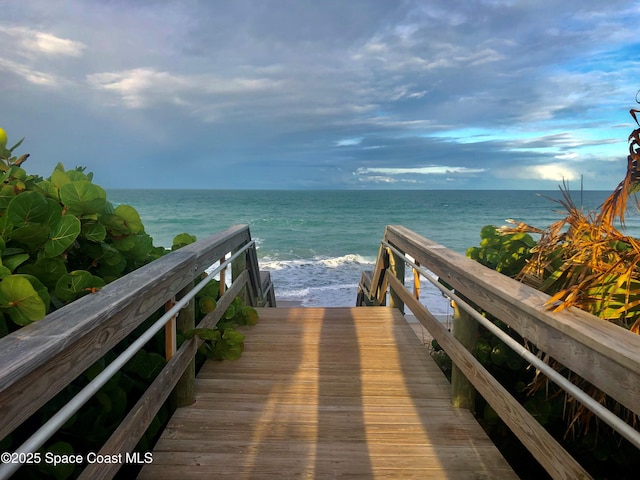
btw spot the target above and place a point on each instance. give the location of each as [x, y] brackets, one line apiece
[628, 432]
[65, 413]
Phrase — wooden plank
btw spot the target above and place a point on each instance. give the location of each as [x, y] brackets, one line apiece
[131, 429]
[549, 453]
[326, 408]
[382, 263]
[41, 359]
[604, 354]
[267, 289]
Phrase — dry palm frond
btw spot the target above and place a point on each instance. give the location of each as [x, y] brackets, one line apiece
[615, 205]
[583, 260]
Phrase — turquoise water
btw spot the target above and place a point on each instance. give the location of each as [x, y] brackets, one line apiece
[316, 243]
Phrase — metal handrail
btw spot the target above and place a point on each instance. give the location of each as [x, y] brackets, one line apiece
[45, 432]
[632, 435]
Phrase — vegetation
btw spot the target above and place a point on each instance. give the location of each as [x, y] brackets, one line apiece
[583, 260]
[61, 239]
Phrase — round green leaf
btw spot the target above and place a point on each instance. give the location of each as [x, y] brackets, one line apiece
[38, 286]
[182, 240]
[55, 212]
[21, 300]
[115, 225]
[125, 244]
[63, 234]
[131, 218]
[59, 178]
[207, 304]
[93, 231]
[82, 197]
[211, 289]
[47, 270]
[28, 207]
[76, 284]
[32, 236]
[14, 261]
[143, 244]
[7, 193]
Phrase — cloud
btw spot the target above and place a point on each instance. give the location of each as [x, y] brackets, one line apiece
[146, 87]
[556, 172]
[412, 94]
[429, 170]
[30, 75]
[42, 43]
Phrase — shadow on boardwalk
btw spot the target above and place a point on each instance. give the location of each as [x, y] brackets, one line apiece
[325, 393]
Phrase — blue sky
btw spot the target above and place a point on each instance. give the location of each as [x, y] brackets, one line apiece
[480, 94]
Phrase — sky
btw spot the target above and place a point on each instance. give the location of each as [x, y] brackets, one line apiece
[331, 94]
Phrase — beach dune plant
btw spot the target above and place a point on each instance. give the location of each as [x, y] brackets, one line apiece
[61, 239]
[585, 260]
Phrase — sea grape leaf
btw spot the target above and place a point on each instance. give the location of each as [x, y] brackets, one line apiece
[251, 316]
[23, 303]
[114, 224]
[62, 236]
[211, 289]
[39, 287]
[107, 209]
[59, 178]
[32, 236]
[47, 270]
[14, 261]
[207, 304]
[93, 231]
[233, 337]
[77, 176]
[226, 350]
[4, 272]
[18, 173]
[7, 193]
[82, 197]
[230, 312]
[76, 284]
[48, 189]
[125, 244]
[111, 256]
[131, 218]
[143, 244]
[145, 364]
[54, 214]
[182, 240]
[28, 207]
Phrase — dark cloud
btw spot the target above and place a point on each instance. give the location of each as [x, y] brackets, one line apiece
[332, 94]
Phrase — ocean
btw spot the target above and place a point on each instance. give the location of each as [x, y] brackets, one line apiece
[317, 243]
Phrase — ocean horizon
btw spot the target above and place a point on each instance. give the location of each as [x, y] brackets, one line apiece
[316, 243]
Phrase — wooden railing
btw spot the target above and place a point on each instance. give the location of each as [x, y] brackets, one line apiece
[604, 354]
[41, 359]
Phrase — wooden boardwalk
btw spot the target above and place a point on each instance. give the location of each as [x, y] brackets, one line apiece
[325, 393]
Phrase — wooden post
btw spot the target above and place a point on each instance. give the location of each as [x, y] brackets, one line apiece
[170, 339]
[465, 330]
[396, 268]
[238, 266]
[223, 286]
[185, 391]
